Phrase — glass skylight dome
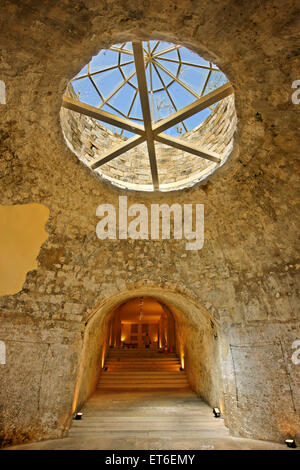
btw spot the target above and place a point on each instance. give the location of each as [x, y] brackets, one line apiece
[150, 91]
[175, 75]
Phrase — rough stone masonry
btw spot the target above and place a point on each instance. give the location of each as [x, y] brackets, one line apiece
[246, 277]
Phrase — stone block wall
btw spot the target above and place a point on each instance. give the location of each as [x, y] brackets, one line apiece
[247, 274]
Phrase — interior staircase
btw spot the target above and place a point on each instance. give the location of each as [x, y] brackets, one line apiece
[142, 370]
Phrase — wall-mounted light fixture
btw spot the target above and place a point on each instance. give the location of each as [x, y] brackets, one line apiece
[291, 443]
[77, 416]
[216, 412]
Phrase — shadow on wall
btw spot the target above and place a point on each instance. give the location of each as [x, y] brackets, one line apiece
[196, 344]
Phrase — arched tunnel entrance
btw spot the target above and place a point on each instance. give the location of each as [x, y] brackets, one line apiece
[178, 329]
[141, 351]
[142, 322]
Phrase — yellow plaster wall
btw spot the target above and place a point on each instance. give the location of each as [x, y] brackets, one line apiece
[22, 233]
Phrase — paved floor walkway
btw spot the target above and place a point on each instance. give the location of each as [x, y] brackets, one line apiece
[156, 420]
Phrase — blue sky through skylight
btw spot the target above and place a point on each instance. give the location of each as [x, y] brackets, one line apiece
[175, 76]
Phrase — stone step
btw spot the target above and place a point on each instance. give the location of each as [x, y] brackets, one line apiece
[158, 388]
[133, 350]
[150, 419]
[159, 356]
[158, 367]
[143, 370]
[142, 376]
[142, 382]
[146, 360]
[149, 412]
[142, 360]
[146, 374]
[145, 355]
[141, 367]
[145, 386]
[137, 350]
[142, 364]
[144, 426]
[136, 361]
[170, 372]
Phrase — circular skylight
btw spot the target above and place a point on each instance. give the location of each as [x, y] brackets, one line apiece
[147, 96]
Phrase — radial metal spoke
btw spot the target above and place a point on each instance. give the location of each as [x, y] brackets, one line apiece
[165, 51]
[117, 89]
[120, 68]
[142, 83]
[193, 108]
[176, 61]
[151, 91]
[190, 90]
[103, 116]
[124, 51]
[168, 93]
[132, 86]
[116, 110]
[132, 103]
[155, 47]
[205, 83]
[117, 151]
[91, 74]
[187, 147]
[96, 88]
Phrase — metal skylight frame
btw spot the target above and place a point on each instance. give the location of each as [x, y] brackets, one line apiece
[151, 131]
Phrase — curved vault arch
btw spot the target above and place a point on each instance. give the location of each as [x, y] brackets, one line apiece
[196, 333]
[175, 298]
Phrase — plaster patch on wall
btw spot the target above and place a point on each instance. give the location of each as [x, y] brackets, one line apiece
[2, 353]
[2, 92]
[22, 233]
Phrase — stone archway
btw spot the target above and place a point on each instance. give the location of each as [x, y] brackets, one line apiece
[135, 317]
[247, 268]
[197, 339]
